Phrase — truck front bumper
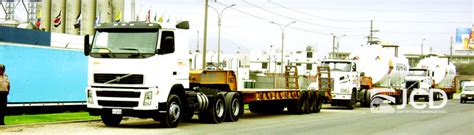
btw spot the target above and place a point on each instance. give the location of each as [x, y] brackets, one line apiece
[124, 112]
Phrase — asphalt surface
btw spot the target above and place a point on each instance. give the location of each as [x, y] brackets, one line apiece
[454, 118]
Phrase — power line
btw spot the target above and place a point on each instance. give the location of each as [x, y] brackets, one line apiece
[292, 27]
[387, 21]
[299, 20]
[324, 18]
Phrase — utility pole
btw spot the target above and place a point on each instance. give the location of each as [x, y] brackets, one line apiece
[371, 31]
[197, 42]
[204, 42]
[333, 46]
[421, 57]
[450, 50]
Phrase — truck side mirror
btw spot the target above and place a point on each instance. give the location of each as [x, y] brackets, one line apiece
[183, 25]
[86, 45]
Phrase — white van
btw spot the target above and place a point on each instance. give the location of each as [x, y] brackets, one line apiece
[467, 93]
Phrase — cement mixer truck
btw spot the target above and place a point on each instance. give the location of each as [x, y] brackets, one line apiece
[443, 74]
[372, 67]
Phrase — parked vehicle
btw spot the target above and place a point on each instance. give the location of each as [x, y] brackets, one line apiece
[467, 93]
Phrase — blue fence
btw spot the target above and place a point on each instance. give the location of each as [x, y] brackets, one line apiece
[25, 36]
[43, 74]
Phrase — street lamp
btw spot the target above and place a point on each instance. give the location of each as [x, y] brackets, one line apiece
[219, 23]
[283, 28]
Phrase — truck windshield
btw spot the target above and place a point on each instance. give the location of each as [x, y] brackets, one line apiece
[468, 88]
[417, 73]
[338, 66]
[124, 44]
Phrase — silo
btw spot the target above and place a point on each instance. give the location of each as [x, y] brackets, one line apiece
[46, 15]
[104, 10]
[58, 14]
[73, 13]
[88, 10]
[118, 10]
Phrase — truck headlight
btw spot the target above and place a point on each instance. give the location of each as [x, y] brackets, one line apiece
[89, 97]
[147, 98]
[462, 95]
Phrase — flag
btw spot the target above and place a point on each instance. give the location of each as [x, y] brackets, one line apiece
[78, 21]
[57, 21]
[161, 19]
[148, 16]
[168, 19]
[118, 17]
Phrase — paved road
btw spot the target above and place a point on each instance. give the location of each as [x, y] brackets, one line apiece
[455, 118]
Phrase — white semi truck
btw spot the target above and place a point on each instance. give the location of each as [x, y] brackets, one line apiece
[142, 70]
[444, 74]
[421, 81]
[371, 67]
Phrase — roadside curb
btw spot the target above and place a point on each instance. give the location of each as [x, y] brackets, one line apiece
[46, 123]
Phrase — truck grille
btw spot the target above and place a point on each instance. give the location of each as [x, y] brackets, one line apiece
[125, 94]
[132, 79]
[118, 103]
[412, 85]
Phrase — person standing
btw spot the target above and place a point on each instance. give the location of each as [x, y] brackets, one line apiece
[4, 90]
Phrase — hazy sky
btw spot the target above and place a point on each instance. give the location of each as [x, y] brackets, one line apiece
[247, 25]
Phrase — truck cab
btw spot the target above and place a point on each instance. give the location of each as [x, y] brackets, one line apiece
[419, 80]
[345, 81]
[134, 68]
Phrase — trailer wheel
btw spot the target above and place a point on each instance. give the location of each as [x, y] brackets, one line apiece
[312, 103]
[366, 101]
[171, 118]
[215, 113]
[450, 96]
[111, 120]
[319, 105]
[299, 106]
[234, 106]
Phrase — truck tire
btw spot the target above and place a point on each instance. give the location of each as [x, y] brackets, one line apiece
[450, 96]
[319, 105]
[461, 101]
[366, 101]
[215, 113]
[312, 103]
[234, 106]
[173, 114]
[299, 106]
[352, 102]
[111, 120]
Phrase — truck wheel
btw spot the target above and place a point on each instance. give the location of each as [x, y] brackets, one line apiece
[366, 101]
[450, 96]
[352, 102]
[111, 120]
[299, 106]
[319, 105]
[215, 113]
[171, 118]
[312, 103]
[234, 106]
[461, 101]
